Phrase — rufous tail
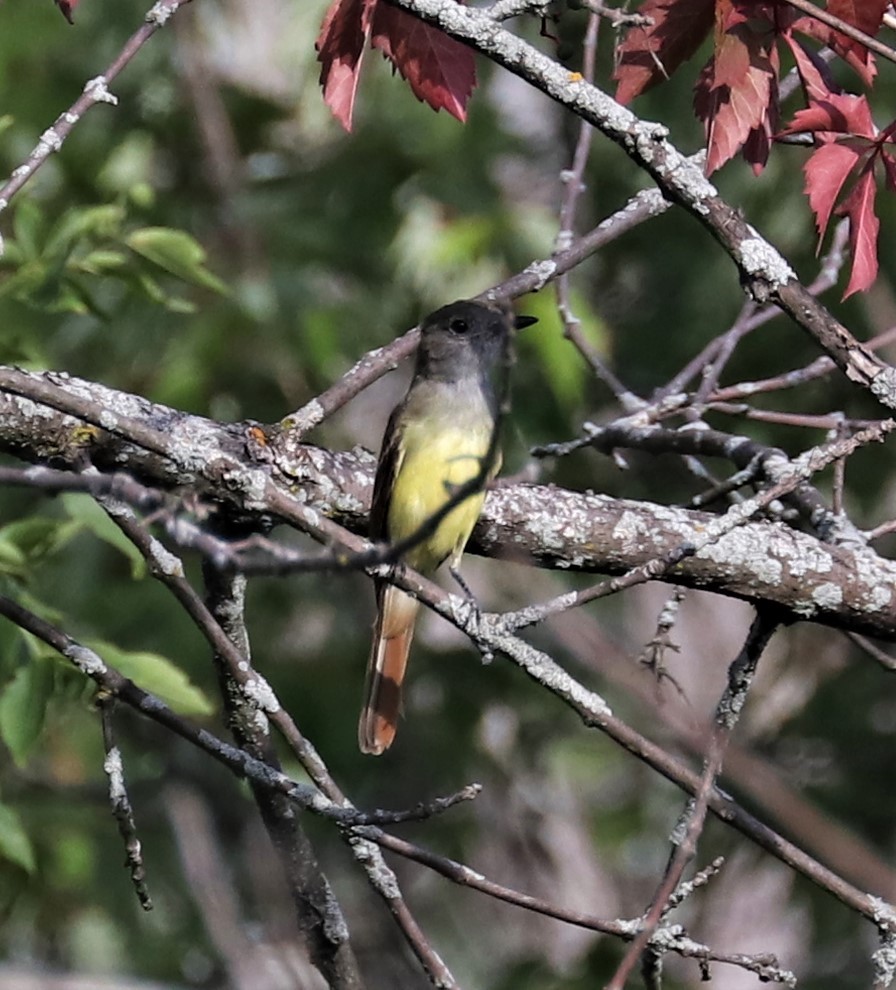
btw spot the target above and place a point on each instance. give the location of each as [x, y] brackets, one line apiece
[392, 635]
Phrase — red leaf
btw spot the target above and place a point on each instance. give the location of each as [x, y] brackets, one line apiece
[860, 59]
[837, 113]
[814, 72]
[439, 70]
[340, 47]
[826, 171]
[758, 145]
[731, 116]
[736, 94]
[732, 55]
[68, 9]
[648, 55]
[863, 230]
[866, 15]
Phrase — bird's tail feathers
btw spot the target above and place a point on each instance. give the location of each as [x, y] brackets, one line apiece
[392, 635]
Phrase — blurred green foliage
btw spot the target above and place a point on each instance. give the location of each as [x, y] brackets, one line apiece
[216, 243]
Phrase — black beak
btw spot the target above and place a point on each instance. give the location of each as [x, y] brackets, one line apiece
[521, 322]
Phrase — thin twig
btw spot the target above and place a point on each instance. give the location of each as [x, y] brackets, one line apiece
[827, 277]
[319, 917]
[121, 804]
[323, 925]
[789, 476]
[763, 965]
[875, 652]
[573, 180]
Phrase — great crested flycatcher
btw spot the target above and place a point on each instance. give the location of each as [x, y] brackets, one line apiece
[436, 440]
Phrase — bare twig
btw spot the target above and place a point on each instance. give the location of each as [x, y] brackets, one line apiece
[115, 684]
[788, 477]
[673, 941]
[653, 656]
[875, 652]
[829, 271]
[121, 805]
[573, 187]
[617, 16]
[249, 696]
[376, 363]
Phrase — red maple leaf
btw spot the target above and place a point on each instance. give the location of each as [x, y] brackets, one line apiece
[849, 147]
[863, 230]
[736, 95]
[68, 9]
[439, 70]
[651, 53]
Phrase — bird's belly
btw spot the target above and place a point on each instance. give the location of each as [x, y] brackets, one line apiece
[430, 474]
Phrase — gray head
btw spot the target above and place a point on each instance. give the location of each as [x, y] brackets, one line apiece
[465, 339]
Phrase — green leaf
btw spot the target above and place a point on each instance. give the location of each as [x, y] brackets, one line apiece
[177, 304]
[28, 277]
[69, 299]
[101, 261]
[177, 252]
[159, 675]
[82, 222]
[12, 560]
[147, 284]
[12, 255]
[142, 195]
[23, 706]
[15, 846]
[37, 537]
[88, 514]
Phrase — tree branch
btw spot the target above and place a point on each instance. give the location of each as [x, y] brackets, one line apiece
[848, 587]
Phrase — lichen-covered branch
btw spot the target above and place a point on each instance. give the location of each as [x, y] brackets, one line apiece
[255, 471]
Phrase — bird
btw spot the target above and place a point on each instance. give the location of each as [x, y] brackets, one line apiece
[441, 436]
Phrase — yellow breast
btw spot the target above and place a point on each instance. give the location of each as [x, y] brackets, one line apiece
[437, 461]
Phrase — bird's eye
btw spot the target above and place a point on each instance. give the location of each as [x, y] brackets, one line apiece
[458, 325]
